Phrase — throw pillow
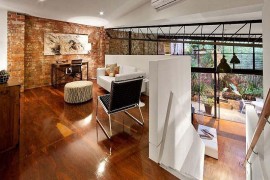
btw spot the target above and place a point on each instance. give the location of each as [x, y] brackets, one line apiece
[116, 70]
[111, 74]
[107, 71]
[111, 70]
[111, 66]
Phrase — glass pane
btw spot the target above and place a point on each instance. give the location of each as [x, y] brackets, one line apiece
[189, 51]
[224, 49]
[235, 91]
[243, 50]
[177, 48]
[202, 55]
[246, 61]
[202, 87]
[258, 58]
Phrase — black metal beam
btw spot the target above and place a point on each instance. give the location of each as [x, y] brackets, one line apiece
[234, 71]
[238, 30]
[240, 39]
[192, 24]
[215, 82]
[195, 42]
[129, 43]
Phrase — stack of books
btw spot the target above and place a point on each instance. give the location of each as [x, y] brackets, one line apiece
[206, 134]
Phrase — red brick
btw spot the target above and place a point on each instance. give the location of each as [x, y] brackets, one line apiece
[25, 45]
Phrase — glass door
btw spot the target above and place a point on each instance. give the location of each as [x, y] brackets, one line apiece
[235, 91]
[203, 93]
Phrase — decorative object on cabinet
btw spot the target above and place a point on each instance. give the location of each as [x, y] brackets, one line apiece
[4, 76]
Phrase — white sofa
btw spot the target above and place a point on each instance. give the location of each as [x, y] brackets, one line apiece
[126, 72]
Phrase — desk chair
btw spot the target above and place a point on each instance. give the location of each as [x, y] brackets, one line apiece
[75, 69]
[124, 95]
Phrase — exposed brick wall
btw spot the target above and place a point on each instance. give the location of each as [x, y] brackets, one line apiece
[16, 31]
[26, 47]
[38, 66]
[121, 47]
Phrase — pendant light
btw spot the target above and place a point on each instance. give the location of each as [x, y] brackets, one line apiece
[234, 59]
[223, 66]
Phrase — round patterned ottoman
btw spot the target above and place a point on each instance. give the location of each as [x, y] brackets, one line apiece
[78, 91]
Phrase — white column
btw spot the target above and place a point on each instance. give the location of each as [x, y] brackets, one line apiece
[266, 81]
[266, 46]
[3, 39]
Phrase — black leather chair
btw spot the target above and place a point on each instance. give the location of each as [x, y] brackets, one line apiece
[124, 95]
[75, 69]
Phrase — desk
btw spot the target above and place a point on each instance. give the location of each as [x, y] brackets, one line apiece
[58, 72]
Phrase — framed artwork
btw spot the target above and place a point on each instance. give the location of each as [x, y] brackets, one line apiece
[63, 44]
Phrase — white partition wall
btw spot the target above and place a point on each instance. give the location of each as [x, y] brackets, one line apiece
[139, 61]
[183, 152]
[3, 39]
[266, 82]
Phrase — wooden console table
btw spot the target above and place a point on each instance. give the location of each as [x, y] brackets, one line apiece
[9, 115]
[58, 72]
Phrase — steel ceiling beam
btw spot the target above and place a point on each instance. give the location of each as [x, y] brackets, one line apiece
[193, 24]
[195, 42]
[194, 35]
[204, 39]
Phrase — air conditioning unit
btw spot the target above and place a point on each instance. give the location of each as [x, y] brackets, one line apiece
[161, 4]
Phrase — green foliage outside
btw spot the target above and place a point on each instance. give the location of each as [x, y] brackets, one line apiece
[207, 100]
[246, 84]
[199, 58]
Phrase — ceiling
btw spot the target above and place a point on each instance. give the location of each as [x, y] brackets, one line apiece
[82, 11]
[119, 13]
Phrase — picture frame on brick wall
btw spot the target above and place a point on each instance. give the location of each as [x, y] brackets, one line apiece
[64, 44]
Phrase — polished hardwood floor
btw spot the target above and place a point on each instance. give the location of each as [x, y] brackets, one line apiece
[63, 141]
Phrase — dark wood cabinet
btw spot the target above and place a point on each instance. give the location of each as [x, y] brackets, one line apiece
[9, 115]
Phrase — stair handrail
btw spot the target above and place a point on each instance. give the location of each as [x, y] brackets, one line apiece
[260, 126]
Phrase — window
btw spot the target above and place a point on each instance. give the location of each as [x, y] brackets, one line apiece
[202, 55]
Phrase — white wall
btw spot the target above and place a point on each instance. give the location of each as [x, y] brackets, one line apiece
[260, 167]
[266, 46]
[139, 61]
[266, 81]
[182, 151]
[3, 39]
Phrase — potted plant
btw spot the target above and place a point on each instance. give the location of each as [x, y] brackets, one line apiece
[4, 76]
[208, 104]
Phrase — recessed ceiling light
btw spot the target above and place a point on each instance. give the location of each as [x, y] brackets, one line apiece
[101, 13]
[41, 0]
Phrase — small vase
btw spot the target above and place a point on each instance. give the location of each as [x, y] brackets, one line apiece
[4, 79]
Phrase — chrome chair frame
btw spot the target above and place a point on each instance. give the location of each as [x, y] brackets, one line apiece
[122, 109]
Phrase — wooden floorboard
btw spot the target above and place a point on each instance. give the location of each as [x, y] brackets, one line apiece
[62, 141]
